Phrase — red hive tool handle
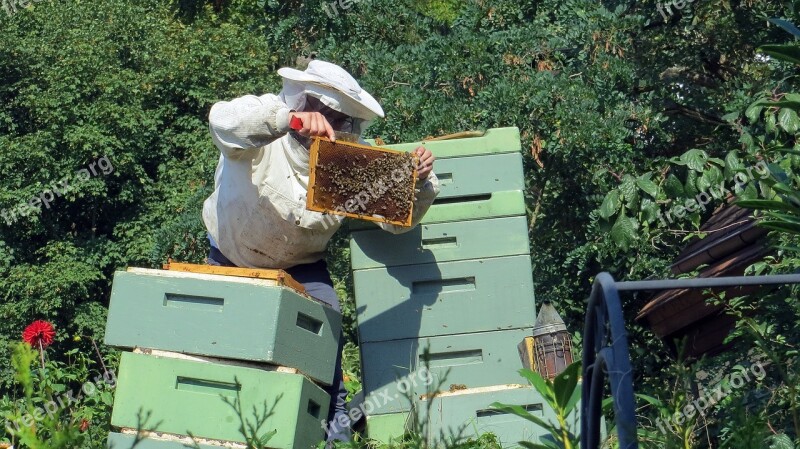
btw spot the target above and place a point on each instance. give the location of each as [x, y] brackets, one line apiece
[296, 124]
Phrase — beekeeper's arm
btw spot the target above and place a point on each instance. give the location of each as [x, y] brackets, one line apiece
[251, 122]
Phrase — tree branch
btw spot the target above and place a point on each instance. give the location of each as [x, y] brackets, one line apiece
[699, 115]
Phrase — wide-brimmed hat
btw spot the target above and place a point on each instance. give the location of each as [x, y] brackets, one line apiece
[336, 82]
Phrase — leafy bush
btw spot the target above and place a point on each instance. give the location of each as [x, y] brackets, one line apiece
[62, 405]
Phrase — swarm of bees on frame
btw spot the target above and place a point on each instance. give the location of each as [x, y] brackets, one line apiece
[373, 181]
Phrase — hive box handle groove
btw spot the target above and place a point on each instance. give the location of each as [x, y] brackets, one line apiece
[207, 386]
[463, 199]
[439, 242]
[310, 324]
[453, 358]
[491, 413]
[313, 409]
[443, 285]
[444, 178]
[204, 303]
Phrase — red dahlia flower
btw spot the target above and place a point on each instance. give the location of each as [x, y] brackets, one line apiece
[39, 334]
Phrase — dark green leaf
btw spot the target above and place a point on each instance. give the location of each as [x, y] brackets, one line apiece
[628, 189]
[754, 112]
[781, 441]
[611, 204]
[776, 216]
[522, 413]
[789, 53]
[540, 384]
[767, 205]
[792, 105]
[649, 210]
[788, 120]
[792, 228]
[673, 187]
[648, 187]
[787, 151]
[786, 25]
[695, 159]
[733, 162]
[623, 233]
[771, 122]
[564, 385]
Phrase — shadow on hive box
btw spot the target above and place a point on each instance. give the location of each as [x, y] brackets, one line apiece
[415, 290]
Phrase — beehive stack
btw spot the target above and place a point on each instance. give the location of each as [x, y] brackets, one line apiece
[206, 345]
[459, 287]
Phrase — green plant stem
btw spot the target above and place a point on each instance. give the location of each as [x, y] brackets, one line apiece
[562, 421]
[41, 354]
[99, 357]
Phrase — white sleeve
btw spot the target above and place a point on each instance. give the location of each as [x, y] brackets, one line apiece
[248, 122]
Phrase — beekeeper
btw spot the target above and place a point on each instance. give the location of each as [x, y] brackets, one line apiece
[257, 215]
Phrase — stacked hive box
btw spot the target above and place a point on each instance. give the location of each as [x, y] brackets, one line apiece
[454, 293]
[212, 352]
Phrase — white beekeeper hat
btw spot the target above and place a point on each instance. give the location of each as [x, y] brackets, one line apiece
[334, 87]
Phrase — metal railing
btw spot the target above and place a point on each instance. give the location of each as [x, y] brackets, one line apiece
[605, 349]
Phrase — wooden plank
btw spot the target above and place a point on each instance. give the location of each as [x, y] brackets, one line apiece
[206, 359]
[127, 438]
[496, 140]
[280, 276]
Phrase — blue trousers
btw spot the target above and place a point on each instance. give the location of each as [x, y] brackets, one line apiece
[317, 281]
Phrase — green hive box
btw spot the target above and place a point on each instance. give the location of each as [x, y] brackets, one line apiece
[387, 428]
[440, 242]
[448, 298]
[469, 178]
[185, 397]
[223, 316]
[468, 414]
[478, 187]
[494, 141]
[392, 368]
[126, 441]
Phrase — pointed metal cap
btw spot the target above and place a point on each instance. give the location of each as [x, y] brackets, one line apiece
[548, 321]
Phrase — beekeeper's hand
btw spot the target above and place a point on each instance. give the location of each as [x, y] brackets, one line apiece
[425, 161]
[312, 124]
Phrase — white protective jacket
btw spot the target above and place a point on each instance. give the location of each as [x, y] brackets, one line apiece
[257, 214]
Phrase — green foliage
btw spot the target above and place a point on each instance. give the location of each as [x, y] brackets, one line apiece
[63, 406]
[445, 11]
[774, 325]
[562, 395]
